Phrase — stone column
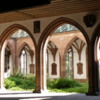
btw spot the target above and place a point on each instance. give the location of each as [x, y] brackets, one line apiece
[92, 90]
[31, 55]
[38, 78]
[62, 66]
[31, 65]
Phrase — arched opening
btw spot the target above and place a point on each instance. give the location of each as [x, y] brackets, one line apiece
[20, 39]
[8, 63]
[96, 60]
[53, 61]
[27, 59]
[69, 63]
[23, 62]
[61, 32]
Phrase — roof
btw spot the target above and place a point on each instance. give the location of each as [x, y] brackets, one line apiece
[55, 8]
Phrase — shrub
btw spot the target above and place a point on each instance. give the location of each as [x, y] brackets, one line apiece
[20, 82]
[17, 75]
[50, 83]
[28, 83]
[66, 83]
[62, 83]
[9, 84]
[72, 90]
[16, 88]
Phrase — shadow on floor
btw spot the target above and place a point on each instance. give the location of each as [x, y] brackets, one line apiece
[48, 96]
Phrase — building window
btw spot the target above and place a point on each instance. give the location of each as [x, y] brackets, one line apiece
[7, 59]
[23, 62]
[54, 69]
[69, 63]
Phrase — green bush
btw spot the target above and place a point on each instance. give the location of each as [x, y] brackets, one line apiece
[28, 83]
[62, 83]
[9, 84]
[17, 80]
[18, 75]
[50, 83]
[20, 82]
[65, 85]
[16, 88]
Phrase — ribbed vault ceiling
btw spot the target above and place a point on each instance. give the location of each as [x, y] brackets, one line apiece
[57, 7]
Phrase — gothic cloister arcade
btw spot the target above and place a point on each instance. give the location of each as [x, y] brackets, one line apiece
[62, 49]
[75, 37]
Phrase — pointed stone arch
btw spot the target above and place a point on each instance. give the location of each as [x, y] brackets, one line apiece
[12, 54]
[8, 32]
[58, 22]
[69, 44]
[66, 50]
[53, 50]
[21, 48]
[45, 34]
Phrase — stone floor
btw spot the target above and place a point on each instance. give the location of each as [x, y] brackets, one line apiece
[44, 96]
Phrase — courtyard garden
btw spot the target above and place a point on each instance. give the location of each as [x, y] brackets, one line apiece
[22, 82]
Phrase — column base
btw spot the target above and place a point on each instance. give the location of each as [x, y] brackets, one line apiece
[93, 94]
[3, 89]
[37, 90]
[44, 91]
[40, 91]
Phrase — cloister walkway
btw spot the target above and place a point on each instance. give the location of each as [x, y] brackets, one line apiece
[44, 96]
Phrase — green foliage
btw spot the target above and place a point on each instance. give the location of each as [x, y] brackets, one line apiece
[62, 83]
[16, 88]
[17, 78]
[82, 89]
[17, 75]
[50, 83]
[66, 85]
[20, 82]
[9, 84]
[27, 82]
